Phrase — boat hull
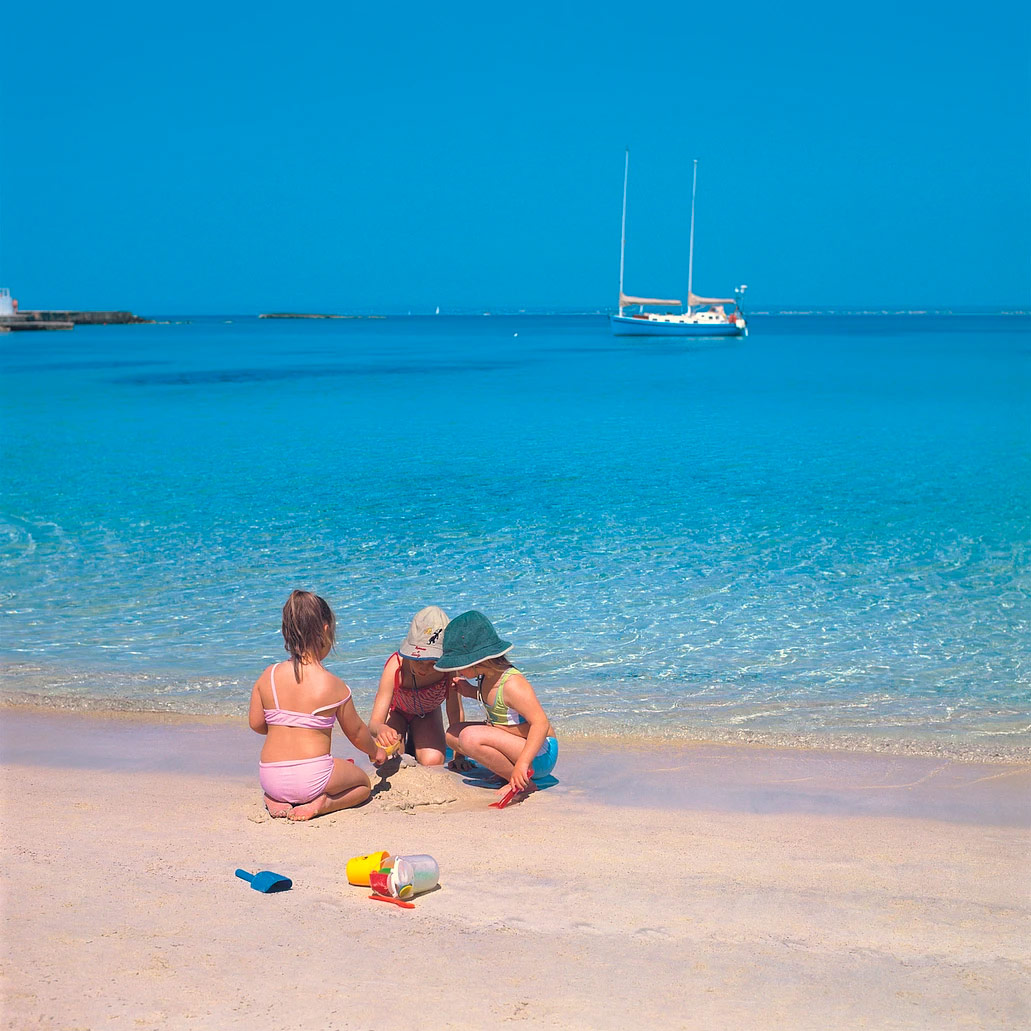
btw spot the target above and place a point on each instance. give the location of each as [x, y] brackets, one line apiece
[627, 326]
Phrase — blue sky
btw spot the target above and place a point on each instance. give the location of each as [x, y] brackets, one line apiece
[240, 158]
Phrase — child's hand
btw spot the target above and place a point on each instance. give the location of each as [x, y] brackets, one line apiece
[385, 735]
[378, 757]
[520, 779]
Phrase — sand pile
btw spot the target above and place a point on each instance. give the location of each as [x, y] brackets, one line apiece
[406, 787]
[409, 788]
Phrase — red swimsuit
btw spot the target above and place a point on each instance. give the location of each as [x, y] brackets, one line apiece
[417, 701]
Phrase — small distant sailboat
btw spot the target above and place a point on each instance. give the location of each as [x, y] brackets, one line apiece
[438, 310]
[702, 317]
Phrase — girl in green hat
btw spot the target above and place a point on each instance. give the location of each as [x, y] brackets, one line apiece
[517, 740]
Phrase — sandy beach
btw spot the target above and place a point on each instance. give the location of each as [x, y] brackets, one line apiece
[703, 886]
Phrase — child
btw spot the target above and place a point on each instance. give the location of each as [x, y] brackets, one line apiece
[295, 704]
[411, 690]
[517, 734]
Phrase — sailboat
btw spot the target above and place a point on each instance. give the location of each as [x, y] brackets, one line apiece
[702, 316]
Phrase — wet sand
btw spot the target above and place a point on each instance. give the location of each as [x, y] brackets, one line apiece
[706, 886]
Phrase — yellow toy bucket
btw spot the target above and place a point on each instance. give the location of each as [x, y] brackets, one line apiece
[359, 868]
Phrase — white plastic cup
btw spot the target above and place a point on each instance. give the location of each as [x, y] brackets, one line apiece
[412, 875]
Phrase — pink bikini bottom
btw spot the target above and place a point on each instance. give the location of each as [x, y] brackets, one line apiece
[296, 780]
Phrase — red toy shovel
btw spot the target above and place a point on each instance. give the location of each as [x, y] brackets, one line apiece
[397, 902]
[511, 795]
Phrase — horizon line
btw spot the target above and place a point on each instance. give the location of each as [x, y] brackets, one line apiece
[471, 312]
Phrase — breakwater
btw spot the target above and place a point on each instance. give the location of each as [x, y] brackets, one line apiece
[44, 320]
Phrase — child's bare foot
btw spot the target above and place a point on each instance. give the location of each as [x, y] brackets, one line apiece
[300, 813]
[277, 809]
[460, 764]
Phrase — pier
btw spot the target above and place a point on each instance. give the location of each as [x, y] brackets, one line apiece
[46, 320]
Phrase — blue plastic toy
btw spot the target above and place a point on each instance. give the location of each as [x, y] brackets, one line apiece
[266, 880]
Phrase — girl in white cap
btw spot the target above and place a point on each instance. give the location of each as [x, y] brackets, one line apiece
[411, 690]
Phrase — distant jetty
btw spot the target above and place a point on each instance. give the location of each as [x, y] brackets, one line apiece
[308, 315]
[43, 320]
[299, 315]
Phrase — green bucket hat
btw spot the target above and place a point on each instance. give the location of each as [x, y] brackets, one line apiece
[469, 639]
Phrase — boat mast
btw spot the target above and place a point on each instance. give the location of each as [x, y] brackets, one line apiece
[622, 231]
[690, 253]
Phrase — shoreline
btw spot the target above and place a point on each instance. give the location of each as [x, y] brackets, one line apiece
[1005, 747]
[669, 776]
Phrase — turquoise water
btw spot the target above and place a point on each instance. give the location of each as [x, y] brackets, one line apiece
[820, 530]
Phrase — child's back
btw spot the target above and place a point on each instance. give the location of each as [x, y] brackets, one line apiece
[295, 704]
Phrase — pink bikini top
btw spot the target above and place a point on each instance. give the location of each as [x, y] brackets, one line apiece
[308, 720]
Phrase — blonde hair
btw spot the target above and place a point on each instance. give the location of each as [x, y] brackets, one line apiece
[500, 663]
[309, 627]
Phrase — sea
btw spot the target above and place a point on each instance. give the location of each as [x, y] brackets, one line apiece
[816, 536]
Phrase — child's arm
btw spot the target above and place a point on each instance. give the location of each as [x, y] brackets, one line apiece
[460, 763]
[358, 733]
[256, 714]
[519, 695]
[453, 706]
[383, 732]
[464, 688]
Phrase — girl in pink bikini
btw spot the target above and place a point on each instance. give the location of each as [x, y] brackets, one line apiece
[411, 690]
[295, 704]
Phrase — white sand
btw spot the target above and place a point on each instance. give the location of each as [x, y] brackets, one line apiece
[121, 910]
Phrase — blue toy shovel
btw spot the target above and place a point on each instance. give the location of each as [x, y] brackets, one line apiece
[266, 880]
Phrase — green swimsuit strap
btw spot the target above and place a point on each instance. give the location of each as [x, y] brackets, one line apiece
[499, 698]
[498, 712]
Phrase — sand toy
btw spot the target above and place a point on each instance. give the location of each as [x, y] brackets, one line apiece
[376, 897]
[511, 795]
[360, 867]
[266, 880]
[405, 876]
